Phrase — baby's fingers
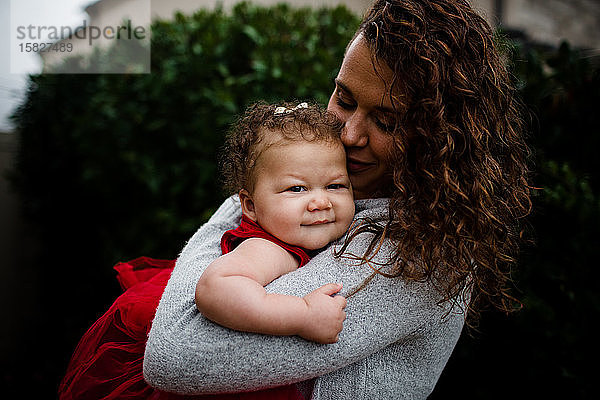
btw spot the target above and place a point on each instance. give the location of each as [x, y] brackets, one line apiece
[330, 289]
[341, 301]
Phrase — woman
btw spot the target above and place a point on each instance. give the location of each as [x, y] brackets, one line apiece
[438, 165]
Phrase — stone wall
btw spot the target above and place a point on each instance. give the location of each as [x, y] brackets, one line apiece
[548, 21]
[543, 21]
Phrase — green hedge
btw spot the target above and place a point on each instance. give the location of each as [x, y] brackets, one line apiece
[546, 349]
[134, 155]
[116, 166]
[559, 279]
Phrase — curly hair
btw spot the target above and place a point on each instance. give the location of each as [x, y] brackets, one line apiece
[263, 125]
[459, 158]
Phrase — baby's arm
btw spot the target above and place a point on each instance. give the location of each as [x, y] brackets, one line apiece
[230, 292]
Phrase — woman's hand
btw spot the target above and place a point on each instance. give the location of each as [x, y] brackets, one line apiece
[325, 315]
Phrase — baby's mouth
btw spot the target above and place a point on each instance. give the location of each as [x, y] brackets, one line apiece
[319, 222]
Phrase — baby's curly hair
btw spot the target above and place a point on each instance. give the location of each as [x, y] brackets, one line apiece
[263, 125]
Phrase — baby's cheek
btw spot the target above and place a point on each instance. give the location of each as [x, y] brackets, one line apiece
[349, 214]
[282, 216]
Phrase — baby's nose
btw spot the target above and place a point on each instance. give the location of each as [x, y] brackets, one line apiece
[319, 202]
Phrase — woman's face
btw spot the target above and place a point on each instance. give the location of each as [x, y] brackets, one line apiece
[360, 100]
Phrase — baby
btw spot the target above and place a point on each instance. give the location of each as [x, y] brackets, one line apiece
[288, 167]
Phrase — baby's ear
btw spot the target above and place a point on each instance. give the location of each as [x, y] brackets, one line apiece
[247, 204]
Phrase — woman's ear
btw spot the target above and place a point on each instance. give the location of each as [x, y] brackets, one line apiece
[247, 204]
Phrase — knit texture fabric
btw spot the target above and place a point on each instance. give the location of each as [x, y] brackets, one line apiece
[395, 342]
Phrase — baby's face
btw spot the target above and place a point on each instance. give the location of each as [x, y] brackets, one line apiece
[302, 193]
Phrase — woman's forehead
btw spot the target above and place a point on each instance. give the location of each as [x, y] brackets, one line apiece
[366, 78]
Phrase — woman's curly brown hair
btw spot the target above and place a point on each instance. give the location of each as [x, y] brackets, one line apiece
[260, 127]
[459, 158]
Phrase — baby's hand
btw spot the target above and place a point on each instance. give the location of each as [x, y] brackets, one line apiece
[325, 314]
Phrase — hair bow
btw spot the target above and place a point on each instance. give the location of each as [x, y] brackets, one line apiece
[285, 110]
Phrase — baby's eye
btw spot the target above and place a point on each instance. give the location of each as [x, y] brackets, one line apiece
[336, 186]
[296, 189]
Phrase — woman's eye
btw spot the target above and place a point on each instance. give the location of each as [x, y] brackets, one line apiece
[342, 102]
[384, 125]
[344, 105]
[296, 189]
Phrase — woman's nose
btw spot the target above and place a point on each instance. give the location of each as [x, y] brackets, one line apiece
[354, 132]
[319, 202]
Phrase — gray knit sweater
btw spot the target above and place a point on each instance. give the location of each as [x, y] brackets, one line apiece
[394, 344]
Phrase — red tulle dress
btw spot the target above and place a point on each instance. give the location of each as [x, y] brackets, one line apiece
[107, 363]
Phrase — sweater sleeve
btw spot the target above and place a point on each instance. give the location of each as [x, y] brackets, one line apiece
[188, 354]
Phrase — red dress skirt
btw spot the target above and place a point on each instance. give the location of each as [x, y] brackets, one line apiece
[108, 361]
